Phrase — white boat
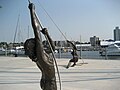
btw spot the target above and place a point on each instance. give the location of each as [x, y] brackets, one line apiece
[19, 50]
[112, 49]
[2, 51]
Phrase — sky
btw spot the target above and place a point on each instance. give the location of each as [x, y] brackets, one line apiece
[75, 18]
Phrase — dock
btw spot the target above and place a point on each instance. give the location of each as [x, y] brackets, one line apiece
[20, 73]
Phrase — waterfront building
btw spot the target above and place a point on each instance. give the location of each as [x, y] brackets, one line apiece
[116, 34]
[84, 47]
[94, 41]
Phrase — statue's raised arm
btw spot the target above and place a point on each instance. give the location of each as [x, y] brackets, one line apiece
[34, 49]
[34, 20]
[37, 25]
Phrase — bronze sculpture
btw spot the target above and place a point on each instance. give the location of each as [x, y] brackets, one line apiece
[34, 49]
[74, 54]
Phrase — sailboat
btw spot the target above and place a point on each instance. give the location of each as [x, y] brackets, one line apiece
[17, 48]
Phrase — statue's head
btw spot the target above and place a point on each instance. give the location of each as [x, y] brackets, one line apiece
[29, 46]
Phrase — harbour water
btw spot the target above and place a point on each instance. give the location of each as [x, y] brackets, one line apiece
[86, 55]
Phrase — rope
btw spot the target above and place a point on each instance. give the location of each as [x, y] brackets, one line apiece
[52, 20]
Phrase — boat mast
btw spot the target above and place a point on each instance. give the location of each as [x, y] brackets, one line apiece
[16, 30]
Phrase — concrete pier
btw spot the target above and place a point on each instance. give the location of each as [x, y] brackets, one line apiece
[20, 73]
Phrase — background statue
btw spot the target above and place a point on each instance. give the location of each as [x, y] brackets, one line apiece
[34, 49]
[74, 54]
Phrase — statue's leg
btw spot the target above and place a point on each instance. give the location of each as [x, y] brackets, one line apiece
[49, 84]
[69, 64]
[75, 61]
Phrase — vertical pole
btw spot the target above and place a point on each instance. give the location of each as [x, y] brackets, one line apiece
[16, 30]
[106, 54]
[60, 51]
[80, 48]
[28, 31]
[5, 51]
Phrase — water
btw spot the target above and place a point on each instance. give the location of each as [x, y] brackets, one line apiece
[86, 55]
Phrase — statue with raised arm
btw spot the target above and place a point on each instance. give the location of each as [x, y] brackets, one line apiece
[35, 51]
[74, 55]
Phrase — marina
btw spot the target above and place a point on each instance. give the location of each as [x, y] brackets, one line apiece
[33, 61]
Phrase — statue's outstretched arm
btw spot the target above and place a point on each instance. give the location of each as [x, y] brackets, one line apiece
[73, 45]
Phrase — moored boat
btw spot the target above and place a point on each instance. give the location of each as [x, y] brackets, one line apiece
[112, 49]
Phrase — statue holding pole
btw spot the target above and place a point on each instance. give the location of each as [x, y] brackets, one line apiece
[34, 49]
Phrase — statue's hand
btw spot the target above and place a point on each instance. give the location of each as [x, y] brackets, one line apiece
[68, 41]
[44, 31]
[31, 6]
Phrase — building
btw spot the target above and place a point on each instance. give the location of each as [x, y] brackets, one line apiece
[94, 41]
[84, 47]
[116, 34]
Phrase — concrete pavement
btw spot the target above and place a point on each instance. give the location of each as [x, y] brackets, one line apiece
[20, 73]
